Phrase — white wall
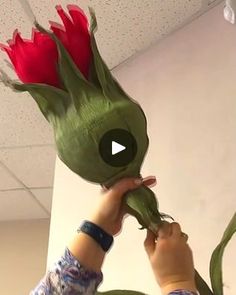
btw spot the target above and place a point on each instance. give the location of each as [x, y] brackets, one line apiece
[23, 255]
[186, 85]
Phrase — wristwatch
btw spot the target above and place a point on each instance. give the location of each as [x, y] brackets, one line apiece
[98, 234]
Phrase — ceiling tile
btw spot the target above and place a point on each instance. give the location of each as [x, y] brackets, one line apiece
[44, 196]
[7, 181]
[34, 166]
[125, 27]
[19, 204]
[21, 122]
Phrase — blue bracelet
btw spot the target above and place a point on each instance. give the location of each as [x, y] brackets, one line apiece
[98, 234]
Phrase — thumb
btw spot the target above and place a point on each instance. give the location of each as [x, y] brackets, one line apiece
[149, 243]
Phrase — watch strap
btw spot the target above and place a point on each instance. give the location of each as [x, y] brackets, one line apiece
[98, 234]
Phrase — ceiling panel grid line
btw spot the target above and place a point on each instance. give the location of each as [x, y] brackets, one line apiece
[25, 188]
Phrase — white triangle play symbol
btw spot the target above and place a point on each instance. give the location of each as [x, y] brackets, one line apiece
[117, 148]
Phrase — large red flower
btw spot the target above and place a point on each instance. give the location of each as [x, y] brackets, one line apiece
[35, 61]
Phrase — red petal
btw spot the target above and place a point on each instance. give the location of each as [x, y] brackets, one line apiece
[79, 18]
[35, 35]
[59, 31]
[4, 47]
[38, 38]
[56, 25]
[34, 60]
[77, 41]
[9, 52]
[65, 18]
[10, 42]
[17, 38]
[37, 63]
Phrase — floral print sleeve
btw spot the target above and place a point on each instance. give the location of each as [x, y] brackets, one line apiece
[182, 292]
[68, 277]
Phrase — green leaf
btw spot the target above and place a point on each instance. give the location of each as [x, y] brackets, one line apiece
[201, 285]
[217, 256]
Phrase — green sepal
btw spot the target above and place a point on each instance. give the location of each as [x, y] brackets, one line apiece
[217, 256]
[52, 101]
[201, 285]
[142, 204]
[79, 88]
[93, 77]
[99, 70]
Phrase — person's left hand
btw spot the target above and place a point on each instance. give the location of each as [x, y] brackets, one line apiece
[110, 210]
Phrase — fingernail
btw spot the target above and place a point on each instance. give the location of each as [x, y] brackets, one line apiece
[138, 181]
[149, 178]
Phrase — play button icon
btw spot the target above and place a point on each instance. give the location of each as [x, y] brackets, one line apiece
[118, 147]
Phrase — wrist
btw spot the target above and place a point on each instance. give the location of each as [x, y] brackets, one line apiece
[93, 230]
[184, 285]
[87, 251]
[101, 223]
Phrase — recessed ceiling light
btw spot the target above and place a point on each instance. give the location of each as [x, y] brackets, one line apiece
[229, 11]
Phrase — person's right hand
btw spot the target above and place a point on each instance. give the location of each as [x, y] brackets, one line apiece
[171, 258]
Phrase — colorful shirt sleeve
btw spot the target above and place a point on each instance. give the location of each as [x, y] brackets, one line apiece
[68, 277]
[182, 292]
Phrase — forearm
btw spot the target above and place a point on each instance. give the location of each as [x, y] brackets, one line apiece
[87, 251]
[171, 288]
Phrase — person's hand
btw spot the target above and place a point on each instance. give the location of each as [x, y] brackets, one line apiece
[110, 211]
[171, 258]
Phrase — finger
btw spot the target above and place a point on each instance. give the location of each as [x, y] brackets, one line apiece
[104, 189]
[184, 236]
[176, 230]
[124, 185]
[150, 181]
[123, 212]
[164, 230]
[149, 243]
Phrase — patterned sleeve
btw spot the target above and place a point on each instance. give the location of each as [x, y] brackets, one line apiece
[68, 277]
[182, 292]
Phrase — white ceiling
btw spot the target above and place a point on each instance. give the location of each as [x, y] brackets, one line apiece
[27, 153]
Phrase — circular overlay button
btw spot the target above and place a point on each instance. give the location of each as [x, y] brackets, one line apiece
[118, 147]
